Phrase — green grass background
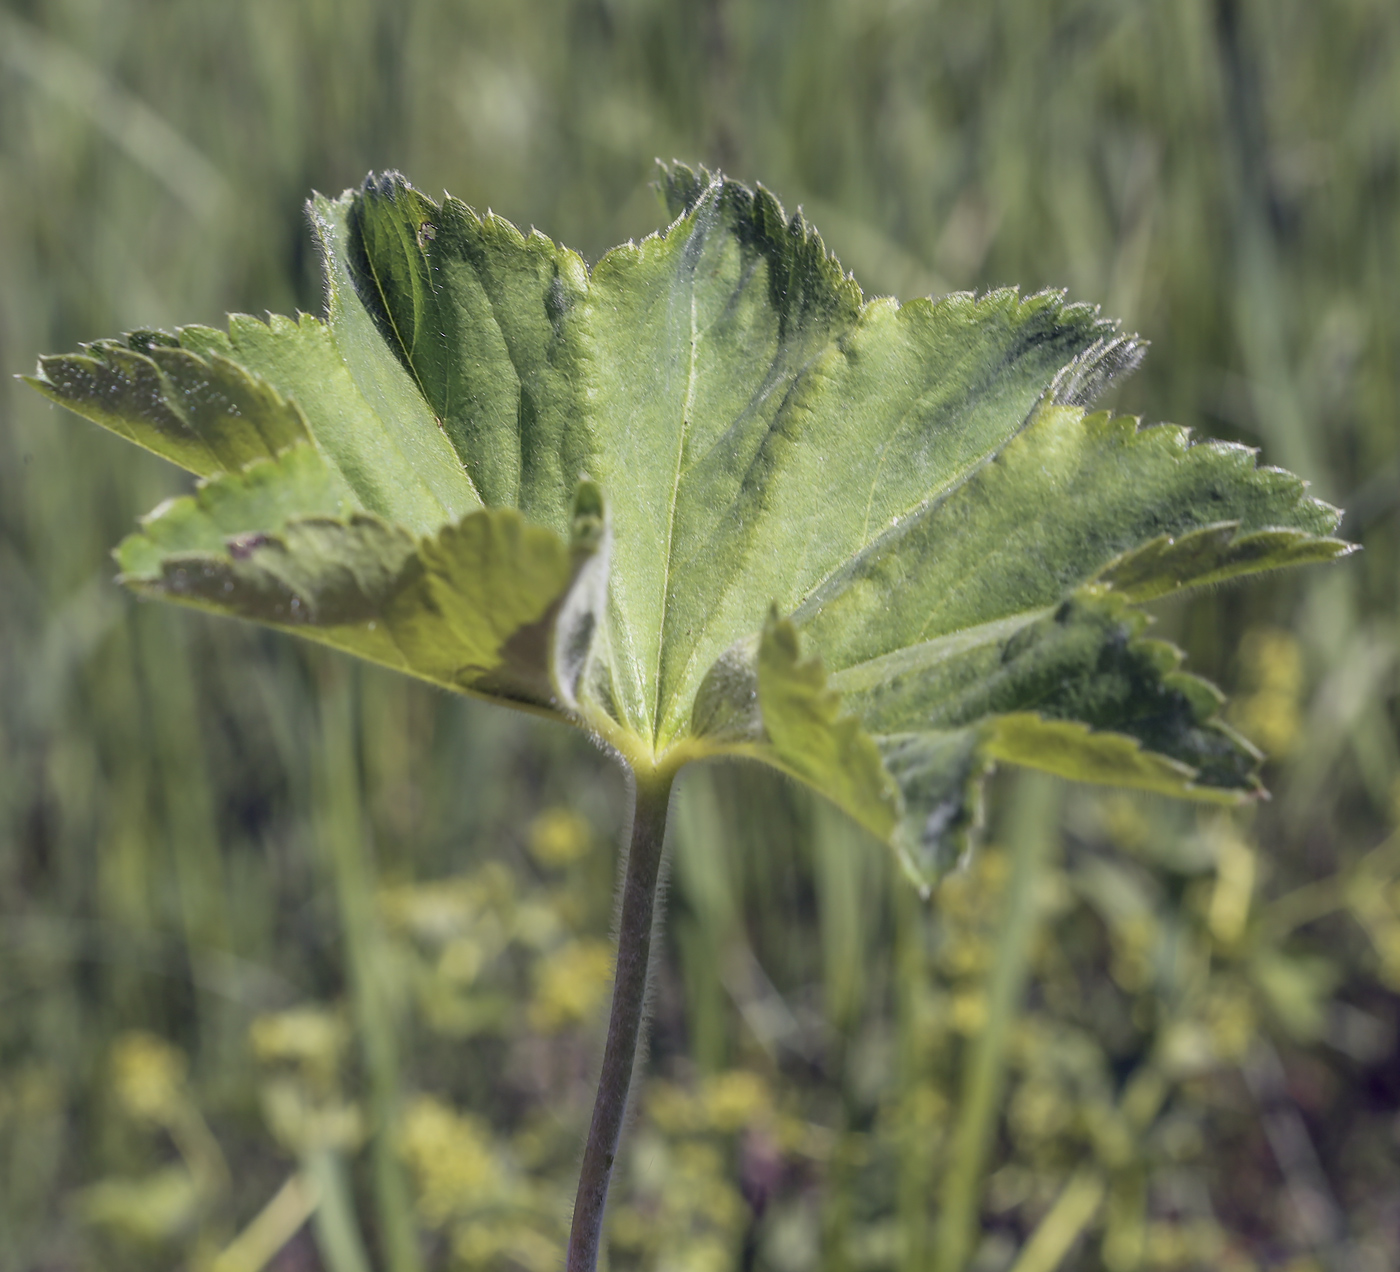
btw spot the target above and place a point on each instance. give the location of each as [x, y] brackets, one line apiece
[275, 928]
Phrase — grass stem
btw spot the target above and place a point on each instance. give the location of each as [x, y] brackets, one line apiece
[1035, 815]
[341, 829]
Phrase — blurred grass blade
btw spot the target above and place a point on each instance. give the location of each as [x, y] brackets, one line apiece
[65, 75]
[912, 977]
[337, 1231]
[271, 1228]
[1034, 820]
[340, 829]
[1073, 1211]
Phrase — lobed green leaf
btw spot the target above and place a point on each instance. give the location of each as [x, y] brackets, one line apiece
[879, 546]
[475, 607]
[1071, 498]
[805, 734]
[205, 413]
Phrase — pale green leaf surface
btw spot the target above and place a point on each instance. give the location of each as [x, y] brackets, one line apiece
[389, 391]
[940, 775]
[214, 402]
[303, 360]
[1062, 502]
[1077, 690]
[418, 480]
[207, 414]
[1213, 554]
[805, 733]
[263, 497]
[753, 422]
[472, 607]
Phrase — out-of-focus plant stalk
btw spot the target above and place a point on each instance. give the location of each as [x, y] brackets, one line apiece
[337, 1235]
[340, 832]
[915, 1152]
[273, 1226]
[1073, 1211]
[187, 798]
[841, 871]
[1035, 804]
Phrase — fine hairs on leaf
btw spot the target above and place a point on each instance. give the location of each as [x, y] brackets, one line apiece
[705, 500]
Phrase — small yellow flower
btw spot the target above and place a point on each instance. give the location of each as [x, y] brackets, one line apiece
[1268, 710]
[451, 1158]
[735, 1099]
[148, 1076]
[310, 1037]
[558, 837]
[570, 985]
[969, 1012]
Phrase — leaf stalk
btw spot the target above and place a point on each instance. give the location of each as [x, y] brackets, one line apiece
[635, 928]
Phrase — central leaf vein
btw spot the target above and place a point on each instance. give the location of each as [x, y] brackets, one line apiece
[687, 411]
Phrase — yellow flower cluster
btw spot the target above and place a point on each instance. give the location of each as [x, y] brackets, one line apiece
[467, 1184]
[309, 1037]
[1267, 710]
[452, 1160]
[148, 1077]
[558, 838]
[571, 984]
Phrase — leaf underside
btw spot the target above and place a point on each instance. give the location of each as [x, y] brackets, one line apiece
[878, 546]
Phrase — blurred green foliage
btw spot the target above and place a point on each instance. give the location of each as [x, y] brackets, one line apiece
[301, 966]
